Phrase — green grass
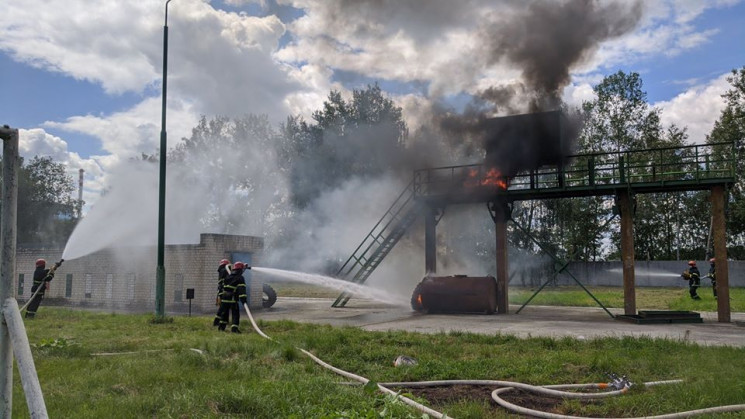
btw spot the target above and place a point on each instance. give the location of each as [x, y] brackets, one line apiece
[647, 298]
[248, 376]
[612, 297]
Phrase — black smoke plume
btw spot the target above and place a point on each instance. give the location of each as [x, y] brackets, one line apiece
[545, 40]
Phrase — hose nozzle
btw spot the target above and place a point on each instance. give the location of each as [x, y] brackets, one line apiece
[619, 383]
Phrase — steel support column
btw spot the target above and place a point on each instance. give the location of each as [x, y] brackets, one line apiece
[627, 251]
[501, 215]
[430, 241]
[720, 253]
[8, 263]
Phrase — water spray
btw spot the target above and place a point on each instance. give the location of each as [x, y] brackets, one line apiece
[337, 284]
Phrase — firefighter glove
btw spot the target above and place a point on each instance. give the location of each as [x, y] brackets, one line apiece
[243, 300]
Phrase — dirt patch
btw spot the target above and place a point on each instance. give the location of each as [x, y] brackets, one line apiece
[441, 396]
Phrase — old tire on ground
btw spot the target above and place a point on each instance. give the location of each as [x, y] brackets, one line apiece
[269, 296]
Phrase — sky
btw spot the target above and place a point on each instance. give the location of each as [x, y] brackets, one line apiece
[82, 80]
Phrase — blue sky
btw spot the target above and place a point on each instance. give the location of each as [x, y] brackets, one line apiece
[83, 82]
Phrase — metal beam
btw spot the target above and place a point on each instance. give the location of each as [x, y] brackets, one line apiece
[720, 253]
[8, 263]
[430, 241]
[501, 214]
[627, 251]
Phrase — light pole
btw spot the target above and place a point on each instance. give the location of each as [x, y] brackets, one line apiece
[160, 273]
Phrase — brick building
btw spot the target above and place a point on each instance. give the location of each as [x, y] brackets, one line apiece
[123, 279]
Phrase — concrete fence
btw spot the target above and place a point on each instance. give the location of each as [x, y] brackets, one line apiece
[647, 273]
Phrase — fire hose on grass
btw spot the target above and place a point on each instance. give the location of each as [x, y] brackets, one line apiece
[363, 380]
[618, 386]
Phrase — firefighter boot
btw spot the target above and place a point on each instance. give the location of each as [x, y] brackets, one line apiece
[234, 329]
[216, 322]
[221, 327]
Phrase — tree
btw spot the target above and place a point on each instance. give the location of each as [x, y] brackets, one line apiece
[363, 137]
[232, 164]
[620, 119]
[730, 128]
[47, 212]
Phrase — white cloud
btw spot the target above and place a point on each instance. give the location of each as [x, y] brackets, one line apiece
[697, 108]
[134, 131]
[37, 142]
[667, 28]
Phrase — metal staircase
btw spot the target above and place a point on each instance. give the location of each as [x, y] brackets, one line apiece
[379, 241]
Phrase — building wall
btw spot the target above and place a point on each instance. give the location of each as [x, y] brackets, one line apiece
[123, 279]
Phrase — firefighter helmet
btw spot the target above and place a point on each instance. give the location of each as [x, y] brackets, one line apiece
[692, 263]
[239, 265]
[41, 262]
[224, 262]
[712, 260]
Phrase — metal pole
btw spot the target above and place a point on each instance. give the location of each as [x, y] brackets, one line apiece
[160, 273]
[8, 263]
[719, 225]
[26, 368]
[627, 252]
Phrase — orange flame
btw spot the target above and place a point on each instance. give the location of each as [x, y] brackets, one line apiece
[419, 299]
[493, 177]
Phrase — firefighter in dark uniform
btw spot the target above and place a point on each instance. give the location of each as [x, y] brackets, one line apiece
[694, 279]
[42, 276]
[223, 270]
[713, 276]
[233, 294]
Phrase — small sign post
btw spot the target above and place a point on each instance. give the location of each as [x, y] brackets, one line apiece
[190, 296]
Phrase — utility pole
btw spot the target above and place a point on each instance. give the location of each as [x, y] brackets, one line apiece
[13, 339]
[8, 264]
[160, 273]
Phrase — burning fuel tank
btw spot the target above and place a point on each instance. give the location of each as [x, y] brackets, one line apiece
[455, 294]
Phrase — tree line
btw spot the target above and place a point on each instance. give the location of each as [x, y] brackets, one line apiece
[366, 137]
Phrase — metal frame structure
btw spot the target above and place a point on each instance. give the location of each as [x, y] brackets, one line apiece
[619, 174]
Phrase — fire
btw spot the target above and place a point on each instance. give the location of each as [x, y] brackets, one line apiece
[419, 299]
[493, 177]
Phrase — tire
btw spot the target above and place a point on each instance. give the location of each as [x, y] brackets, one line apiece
[269, 296]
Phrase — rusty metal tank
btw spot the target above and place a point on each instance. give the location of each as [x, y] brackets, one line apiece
[455, 294]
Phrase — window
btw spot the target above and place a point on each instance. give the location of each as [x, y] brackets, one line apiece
[20, 284]
[68, 286]
[109, 286]
[131, 279]
[88, 286]
[178, 292]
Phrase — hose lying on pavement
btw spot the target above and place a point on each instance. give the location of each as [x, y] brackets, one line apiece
[555, 391]
[422, 408]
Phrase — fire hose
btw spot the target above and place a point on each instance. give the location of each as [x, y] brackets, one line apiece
[619, 386]
[422, 408]
[42, 285]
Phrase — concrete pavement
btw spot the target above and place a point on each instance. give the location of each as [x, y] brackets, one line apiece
[548, 321]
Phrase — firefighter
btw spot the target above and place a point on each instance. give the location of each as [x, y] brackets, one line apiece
[694, 279]
[42, 276]
[223, 270]
[233, 293]
[713, 276]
